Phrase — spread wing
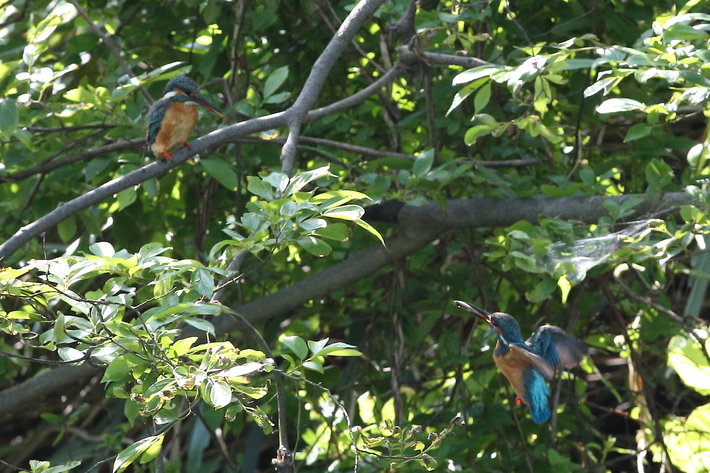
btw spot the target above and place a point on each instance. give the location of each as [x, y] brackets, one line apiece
[539, 363]
[155, 117]
[557, 347]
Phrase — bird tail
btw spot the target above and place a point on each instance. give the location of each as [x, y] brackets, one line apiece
[536, 395]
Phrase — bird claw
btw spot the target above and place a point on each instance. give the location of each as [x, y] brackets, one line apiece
[186, 144]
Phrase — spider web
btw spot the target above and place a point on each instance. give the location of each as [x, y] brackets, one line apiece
[584, 254]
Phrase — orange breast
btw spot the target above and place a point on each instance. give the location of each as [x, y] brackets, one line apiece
[512, 368]
[178, 123]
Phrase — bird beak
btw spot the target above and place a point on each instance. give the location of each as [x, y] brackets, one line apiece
[204, 103]
[478, 312]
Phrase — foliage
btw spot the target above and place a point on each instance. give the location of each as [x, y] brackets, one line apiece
[191, 292]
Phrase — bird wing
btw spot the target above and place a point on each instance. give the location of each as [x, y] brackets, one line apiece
[557, 347]
[155, 117]
[539, 363]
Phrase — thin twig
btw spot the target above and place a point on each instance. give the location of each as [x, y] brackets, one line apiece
[111, 46]
[284, 454]
[67, 129]
[18, 16]
[222, 447]
[47, 167]
[636, 364]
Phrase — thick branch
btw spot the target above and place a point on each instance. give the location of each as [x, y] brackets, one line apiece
[419, 226]
[406, 54]
[25, 396]
[65, 210]
[319, 73]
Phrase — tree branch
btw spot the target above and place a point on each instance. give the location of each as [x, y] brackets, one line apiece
[111, 46]
[356, 98]
[406, 54]
[319, 73]
[65, 210]
[49, 166]
[418, 227]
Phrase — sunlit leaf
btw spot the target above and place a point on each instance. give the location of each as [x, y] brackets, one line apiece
[130, 454]
[620, 105]
[296, 345]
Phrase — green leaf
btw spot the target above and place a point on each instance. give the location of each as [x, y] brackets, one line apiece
[482, 97]
[686, 357]
[345, 212]
[428, 462]
[423, 163]
[316, 347]
[221, 172]
[275, 80]
[67, 228]
[297, 345]
[658, 174]
[277, 179]
[241, 370]
[565, 286]
[339, 349]
[612, 207]
[116, 370]
[312, 224]
[525, 262]
[203, 282]
[640, 130]
[371, 229]
[8, 118]
[219, 393]
[258, 187]
[313, 366]
[475, 132]
[81, 95]
[334, 231]
[542, 290]
[126, 197]
[278, 98]
[620, 105]
[687, 440]
[627, 206]
[314, 246]
[462, 94]
[476, 73]
[183, 345]
[299, 181]
[261, 419]
[102, 248]
[200, 324]
[147, 446]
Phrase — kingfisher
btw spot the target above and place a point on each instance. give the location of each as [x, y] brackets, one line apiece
[172, 118]
[527, 364]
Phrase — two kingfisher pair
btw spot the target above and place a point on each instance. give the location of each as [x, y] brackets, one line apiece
[527, 364]
[172, 118]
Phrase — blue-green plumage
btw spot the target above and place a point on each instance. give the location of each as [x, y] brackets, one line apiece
[526, 364]
[172, 118]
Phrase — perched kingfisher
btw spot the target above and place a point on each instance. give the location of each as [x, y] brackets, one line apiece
[172, 118]
[526, 364]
